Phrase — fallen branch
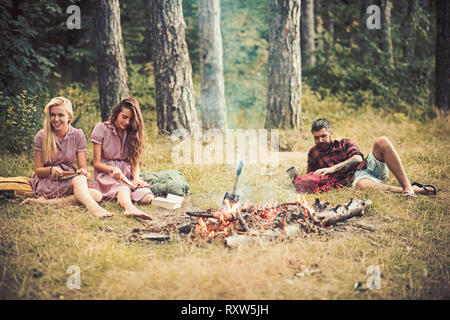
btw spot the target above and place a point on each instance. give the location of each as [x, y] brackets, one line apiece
[343, 212]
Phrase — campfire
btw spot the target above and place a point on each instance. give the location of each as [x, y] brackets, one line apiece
[235, 224]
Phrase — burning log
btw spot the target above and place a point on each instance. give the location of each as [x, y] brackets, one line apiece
[287, 219]
[236, 225]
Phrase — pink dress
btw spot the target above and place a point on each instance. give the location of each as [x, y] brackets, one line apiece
[114, 153]
[73, 142]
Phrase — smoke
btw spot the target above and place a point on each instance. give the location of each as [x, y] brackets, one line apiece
[244, 28]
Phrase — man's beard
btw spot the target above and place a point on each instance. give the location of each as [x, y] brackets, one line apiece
[323, 146]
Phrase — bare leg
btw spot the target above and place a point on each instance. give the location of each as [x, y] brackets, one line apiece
[124, 200]
[147, 199]
[64, 201]
[366, 183]
[384, 151]
[370, 184]
[83, 195]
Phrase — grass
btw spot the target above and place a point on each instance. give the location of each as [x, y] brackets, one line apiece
[409, 244]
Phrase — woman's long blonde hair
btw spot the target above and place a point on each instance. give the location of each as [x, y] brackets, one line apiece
[49, 148]
[136, 129]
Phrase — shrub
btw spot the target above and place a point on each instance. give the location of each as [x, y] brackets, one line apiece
[21, 119]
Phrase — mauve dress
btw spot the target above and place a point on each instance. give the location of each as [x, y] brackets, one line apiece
[114, 153]
[74, 141]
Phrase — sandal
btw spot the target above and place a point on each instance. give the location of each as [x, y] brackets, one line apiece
[424, 187]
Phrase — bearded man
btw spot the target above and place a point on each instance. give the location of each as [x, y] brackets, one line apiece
[343, 161]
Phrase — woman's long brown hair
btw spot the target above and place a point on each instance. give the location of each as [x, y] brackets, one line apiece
[136, 129]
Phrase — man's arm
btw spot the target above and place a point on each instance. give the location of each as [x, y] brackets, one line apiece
[342, 166]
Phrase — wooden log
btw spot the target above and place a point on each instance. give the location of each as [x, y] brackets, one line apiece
[341, 213]
[201, 214]
[155, 236]
[237, 240]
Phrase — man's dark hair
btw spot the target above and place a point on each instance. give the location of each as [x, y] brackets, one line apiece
[319, 124]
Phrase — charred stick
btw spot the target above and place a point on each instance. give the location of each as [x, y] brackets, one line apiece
[242, 222]
[200, 214]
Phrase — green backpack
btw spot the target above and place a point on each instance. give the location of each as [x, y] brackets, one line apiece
[167, 181]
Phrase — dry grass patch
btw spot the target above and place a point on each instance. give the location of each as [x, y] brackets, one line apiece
[409, 244]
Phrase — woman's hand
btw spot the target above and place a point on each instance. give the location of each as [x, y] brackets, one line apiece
[56, 172]
[83, 172]
[139, 183]
[117, 173]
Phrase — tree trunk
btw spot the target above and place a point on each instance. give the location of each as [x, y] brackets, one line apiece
[175, 105]
[214, 112]
[329, 27]
[307, 33]
[111, 65]
[364, 37]
[409, 27]
[284, 74]
[386, 39]
[443, 56]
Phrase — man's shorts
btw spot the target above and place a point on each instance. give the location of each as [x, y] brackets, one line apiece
[375, 170]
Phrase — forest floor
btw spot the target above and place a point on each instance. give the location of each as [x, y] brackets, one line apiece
[409, 244]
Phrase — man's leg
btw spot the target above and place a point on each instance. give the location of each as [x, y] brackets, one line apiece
[366, 183]
[384, 151]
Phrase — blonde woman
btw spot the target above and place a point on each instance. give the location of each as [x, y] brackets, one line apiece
[55, 149]
[118, 145]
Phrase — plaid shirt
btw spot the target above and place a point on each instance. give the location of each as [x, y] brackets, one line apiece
[338, 152]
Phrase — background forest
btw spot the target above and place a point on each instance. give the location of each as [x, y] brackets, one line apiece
[41, 58]
[367, 82]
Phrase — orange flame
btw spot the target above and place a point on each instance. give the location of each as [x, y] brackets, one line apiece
[229, 212]
[309, 210]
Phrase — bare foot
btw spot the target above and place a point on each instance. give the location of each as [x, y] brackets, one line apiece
[409, 195]
[426, 191]
[99, 212]
[133, 211]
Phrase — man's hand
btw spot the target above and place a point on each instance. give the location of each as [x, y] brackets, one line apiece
[324, 171]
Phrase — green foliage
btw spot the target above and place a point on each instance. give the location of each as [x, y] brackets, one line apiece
[365, 78]
[28, 58]
[142, 84]
[85, 103]
[21, 119]
[134, 21]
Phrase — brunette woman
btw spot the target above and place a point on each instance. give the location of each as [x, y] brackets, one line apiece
[118, 145]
